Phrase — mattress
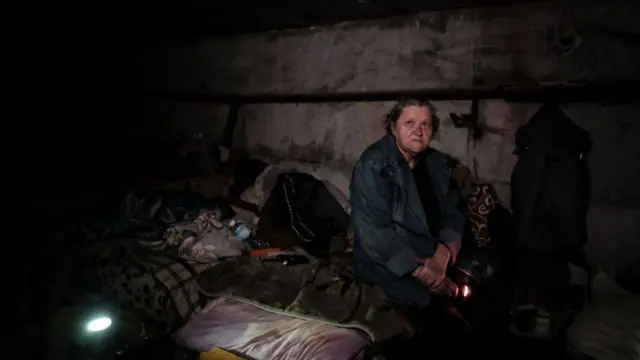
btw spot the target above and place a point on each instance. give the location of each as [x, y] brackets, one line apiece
[259, 334]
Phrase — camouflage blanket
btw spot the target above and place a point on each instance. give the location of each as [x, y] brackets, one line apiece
[317, 291]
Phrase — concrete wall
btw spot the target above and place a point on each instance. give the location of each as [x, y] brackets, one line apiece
[499, 44]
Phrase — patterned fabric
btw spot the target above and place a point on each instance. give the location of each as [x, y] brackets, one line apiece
[205, 222]
[160, 288]
[205, 239]
[480, 202]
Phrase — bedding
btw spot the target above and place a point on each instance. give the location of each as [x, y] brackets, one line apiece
[154, 267]
[259, 334]
[204, 239]
[320, 291]
[159, 288]
[146, 257]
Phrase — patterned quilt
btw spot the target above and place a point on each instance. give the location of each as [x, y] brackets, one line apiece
[157, 287]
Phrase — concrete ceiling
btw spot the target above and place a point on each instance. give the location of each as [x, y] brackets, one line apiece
[207, 17]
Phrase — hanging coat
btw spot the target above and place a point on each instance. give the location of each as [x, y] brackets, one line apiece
[550, 183]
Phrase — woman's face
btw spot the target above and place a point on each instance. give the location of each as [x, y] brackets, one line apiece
[413, 131]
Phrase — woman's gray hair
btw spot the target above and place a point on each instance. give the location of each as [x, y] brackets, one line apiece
[394, 114]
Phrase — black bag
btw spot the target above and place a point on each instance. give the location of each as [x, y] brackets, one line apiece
[301, 211]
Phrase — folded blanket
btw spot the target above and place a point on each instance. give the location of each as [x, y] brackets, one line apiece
[317, 291]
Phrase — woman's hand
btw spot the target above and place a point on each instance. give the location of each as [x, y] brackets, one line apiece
[446, 287]
[433, 270]
[431, 273]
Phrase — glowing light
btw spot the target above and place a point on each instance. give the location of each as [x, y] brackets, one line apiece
[466, 291]
[98, 324]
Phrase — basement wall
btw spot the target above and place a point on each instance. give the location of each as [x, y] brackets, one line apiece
[439, 49]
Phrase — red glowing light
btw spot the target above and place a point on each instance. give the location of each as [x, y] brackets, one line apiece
[466, 291]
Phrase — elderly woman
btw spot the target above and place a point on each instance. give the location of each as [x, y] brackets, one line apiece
[407, 223]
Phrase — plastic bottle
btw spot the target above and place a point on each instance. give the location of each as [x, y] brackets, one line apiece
[239, 229]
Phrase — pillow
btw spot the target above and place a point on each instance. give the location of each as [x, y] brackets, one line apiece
[250, 196]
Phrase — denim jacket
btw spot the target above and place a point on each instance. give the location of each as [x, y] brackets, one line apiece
[391, 230]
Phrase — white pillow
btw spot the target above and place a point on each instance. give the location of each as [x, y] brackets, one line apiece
[250, 196]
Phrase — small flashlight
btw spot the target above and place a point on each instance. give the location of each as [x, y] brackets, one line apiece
[98, 324]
